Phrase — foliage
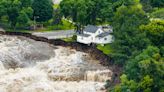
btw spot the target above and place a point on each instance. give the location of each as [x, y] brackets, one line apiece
[95, 10]
[144, 73]
[157, 3]
[126, 22]
[71, 39]
[106, 49]
[147, 5]
[152, 3]
[159, 13]
[155, 32]
[17, 11]
[43, 10]
[2, 8]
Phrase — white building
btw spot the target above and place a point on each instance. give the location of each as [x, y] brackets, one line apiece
[97, 35]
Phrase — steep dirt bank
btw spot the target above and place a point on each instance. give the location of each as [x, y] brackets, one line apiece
[92, 50]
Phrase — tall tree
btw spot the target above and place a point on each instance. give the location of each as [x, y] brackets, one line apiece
[155, 32]
[126, 22]
[87, 11]
[16, 12]
[43, 10]
[144, 73]
[2, 8]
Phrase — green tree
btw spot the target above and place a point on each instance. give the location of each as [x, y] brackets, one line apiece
[2, 8]
[146, 5]
[147, 65]
[16, 12]
[43, 10]
[23, 18]
[155, 32]
[13, 12]
[87, 11]
[128, 39]
[157, 3]
[144, 73]
[152, 3]
[159, 13]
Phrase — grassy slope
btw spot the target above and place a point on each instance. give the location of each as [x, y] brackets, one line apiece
[106, 49]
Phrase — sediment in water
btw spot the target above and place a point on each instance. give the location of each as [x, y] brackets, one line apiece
[61, 70]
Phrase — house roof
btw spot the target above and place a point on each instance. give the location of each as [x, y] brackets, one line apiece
[91, 28]
[84, 35]
[103, 34]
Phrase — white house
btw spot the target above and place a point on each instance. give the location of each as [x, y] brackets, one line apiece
[94, 34]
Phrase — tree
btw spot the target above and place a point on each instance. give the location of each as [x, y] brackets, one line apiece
[157, 3]
[2, 8]
[23, 18]
[155, 32]
[159, 13]
[146, 5]
[144, 73]
[85, 12]
[126, 22]
[16, 12]
[43, 10]
[13, 12]
[152, 3]
[148, 65]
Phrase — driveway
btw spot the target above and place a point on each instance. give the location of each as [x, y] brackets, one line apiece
[2, 30]
[55, 34]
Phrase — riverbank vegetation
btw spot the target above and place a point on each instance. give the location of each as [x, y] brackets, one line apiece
[29, 15]
[138, 32]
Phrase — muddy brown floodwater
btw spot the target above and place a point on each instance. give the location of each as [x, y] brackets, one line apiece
[27, 65]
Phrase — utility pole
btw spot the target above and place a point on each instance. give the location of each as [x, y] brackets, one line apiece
[35, 17]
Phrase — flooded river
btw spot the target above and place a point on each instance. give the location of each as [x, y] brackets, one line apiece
[32, 66]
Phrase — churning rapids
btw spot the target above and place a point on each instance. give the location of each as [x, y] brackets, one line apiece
[32, 66]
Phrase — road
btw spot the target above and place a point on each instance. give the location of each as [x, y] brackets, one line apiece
[55, 34]
[2, 30]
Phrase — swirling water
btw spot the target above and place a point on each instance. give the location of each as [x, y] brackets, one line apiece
[32, 66]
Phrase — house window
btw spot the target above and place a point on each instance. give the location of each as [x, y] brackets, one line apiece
[105, 38]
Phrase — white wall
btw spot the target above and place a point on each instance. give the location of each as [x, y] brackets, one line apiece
[104, 40]
[94, 39]
[93, 35]
[85, 40]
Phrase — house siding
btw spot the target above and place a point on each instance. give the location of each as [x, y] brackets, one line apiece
[94, 39]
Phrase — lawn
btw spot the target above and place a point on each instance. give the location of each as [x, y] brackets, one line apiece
[55, 6]
[106, 49]
[70, 39]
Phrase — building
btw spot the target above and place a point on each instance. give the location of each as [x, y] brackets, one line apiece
[96, 35]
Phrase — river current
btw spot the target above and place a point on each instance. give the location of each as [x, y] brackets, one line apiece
[32, 66]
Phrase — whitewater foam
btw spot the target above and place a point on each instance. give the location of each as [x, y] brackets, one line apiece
[30, 66]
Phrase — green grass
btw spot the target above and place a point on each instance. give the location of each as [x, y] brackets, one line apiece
[106, 49]
[55, 6]
[23, 31]
[65, 25]
[70, 39]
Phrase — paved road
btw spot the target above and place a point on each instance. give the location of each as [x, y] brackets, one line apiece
[55, 34]
[1, 29]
